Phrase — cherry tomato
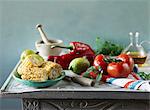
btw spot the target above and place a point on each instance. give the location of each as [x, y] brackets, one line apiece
[118, 69]
[127, 59]
[99, 61]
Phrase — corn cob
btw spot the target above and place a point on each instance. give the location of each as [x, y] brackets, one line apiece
[53, 69]
[35, 69]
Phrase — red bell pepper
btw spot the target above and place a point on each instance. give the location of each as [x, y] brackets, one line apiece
[78, 49]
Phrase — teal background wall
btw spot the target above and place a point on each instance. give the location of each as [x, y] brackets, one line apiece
[69, 20]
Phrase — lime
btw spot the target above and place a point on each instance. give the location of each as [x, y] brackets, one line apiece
[79, 65]
[26, 53]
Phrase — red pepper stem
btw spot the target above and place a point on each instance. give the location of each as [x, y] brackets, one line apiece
[57, 46]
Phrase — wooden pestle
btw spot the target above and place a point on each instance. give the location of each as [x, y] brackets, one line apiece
[80, 80]
[43, 35]
[71, 76]
[83, 81]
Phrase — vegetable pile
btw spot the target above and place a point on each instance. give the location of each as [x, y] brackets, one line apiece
[93, 66]
[83, 61]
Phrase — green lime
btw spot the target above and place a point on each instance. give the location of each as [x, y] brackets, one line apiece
[79, 65]
[26, 53]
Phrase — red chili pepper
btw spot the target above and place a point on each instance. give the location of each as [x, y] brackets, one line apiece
[79, 50]
[93, 75]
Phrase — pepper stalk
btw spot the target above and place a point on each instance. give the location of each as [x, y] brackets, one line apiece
[65, 47]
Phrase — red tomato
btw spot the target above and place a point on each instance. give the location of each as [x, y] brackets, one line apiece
[118, 69]
[127, 59]
[99, 61]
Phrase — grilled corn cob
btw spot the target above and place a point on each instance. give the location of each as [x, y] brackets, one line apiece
[36, 69]
[29, 62]
[35, 74]
[53, 69]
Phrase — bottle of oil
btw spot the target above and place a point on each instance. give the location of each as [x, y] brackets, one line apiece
[135, 50]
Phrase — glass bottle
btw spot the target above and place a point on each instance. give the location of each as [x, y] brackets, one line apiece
[135, 50]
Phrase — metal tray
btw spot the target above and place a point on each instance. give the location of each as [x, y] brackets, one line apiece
[64, 89]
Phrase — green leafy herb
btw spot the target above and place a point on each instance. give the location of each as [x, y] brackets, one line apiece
[107, 48]
[96, 73]
[144, 76]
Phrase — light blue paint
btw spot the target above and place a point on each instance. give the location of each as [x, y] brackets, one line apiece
[67, 20]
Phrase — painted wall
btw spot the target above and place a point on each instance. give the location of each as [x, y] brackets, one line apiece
[69, 20]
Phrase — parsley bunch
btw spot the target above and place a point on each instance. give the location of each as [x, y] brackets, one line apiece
[107, 48]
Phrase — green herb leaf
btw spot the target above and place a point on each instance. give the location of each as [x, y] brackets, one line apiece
[144, 76]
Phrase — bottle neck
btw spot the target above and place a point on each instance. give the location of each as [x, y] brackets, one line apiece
[134, 40]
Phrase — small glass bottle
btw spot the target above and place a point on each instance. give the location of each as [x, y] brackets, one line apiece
[135, 50]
